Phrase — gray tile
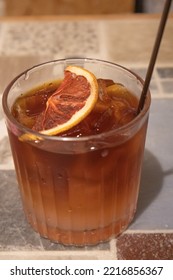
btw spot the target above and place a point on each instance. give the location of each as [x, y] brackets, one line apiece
[15, 233]
[154, 87]
[155, 199]
[141, 71]
[167, 86]
[50, 246]
[165, 72]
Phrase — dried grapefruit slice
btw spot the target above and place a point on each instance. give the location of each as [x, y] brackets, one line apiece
[71, 103]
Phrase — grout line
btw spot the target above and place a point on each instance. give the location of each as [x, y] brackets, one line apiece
[160, 91]
[67, 254]
[102, 42]
[113, 248]
[146, 231]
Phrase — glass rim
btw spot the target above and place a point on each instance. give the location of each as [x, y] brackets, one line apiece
[42, 136]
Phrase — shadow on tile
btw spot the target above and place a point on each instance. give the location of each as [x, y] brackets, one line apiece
[151, 182]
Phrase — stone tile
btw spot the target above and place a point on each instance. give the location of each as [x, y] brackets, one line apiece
[48, 245]
[167, 86]
[11, 67]
[39, 255]
[156, 192]
[141, 71]
[121, 38]
[60, 38]
[154, 88]
[14, 65]
[165, 72]
[15, 233]
[145, 246]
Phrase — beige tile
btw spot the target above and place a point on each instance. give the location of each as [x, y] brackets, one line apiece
[50, 38]
[13, 65]
[131, 41]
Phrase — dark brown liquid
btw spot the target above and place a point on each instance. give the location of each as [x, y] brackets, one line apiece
[115, 107]
[82, 197]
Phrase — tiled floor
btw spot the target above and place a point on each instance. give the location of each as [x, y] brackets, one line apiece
[145, 246]
[50, 38]
[150, 236]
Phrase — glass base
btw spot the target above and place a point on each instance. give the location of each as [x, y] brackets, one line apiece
[83, 238]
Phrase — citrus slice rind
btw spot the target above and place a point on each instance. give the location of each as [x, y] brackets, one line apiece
[60, 98]
[89, 104]
[30, 137]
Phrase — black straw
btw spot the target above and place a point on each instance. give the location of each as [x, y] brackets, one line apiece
[154, 54]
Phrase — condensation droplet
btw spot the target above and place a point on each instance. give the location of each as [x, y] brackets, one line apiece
[104, 153]
[37, 141]
[26, 77]
[60, 176]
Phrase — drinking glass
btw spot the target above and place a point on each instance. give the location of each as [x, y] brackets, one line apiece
[78, 191]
